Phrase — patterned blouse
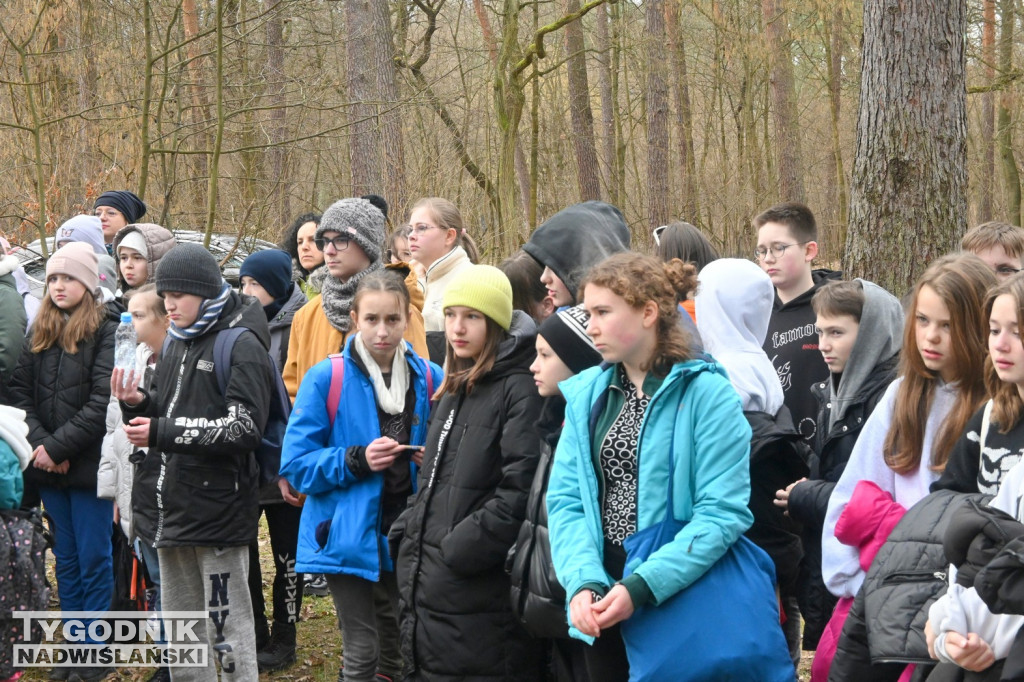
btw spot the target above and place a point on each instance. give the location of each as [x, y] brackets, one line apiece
[618, 465]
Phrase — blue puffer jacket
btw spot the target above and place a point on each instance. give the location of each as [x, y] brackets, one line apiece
[313, 461]
[698, 407]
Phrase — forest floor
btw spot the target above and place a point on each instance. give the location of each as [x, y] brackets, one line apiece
[318, 652]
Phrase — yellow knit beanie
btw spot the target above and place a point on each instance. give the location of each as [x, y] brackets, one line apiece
[484, 288]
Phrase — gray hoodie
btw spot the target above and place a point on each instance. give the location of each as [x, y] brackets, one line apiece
[880, 337]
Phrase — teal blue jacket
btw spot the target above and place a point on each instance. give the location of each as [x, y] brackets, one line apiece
[696, 414]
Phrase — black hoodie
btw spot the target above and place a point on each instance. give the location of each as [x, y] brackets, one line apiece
[792, 346]
[197, 485]
[576, 239]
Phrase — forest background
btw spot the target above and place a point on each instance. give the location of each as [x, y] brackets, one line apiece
[237, 115]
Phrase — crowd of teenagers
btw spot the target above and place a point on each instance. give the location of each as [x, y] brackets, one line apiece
[587, 463]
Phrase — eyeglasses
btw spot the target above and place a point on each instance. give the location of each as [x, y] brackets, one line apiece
[340, 243]
[420, 228]
[777, 250]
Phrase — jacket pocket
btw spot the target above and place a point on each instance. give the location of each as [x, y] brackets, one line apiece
[209, 479]
[922, 576]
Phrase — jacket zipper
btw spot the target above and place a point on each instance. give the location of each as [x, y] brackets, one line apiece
[922, 576]
[163, 455]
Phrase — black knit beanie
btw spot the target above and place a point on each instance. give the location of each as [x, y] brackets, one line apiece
[189, 269]
[130, 205]
[378, 201]
[566, 333]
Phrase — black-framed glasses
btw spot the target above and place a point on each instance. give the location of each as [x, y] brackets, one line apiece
[776, 250]
[340, 243]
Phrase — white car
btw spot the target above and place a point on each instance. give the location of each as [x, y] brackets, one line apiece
[221, 245]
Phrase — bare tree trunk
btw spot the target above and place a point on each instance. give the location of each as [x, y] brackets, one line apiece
[523, 173]
[200, 102]
[218, 139]
[1004, 122]
[657, 116]
[909, 189]
[365, 143]
[587, 174]
[276, 170]
[787, 128]
[604, 85]
[988, 111]
[835, 81]
[389, 120]
[684, 114]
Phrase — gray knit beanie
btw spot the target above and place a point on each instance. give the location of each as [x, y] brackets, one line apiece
[189, 269]
[357, 219]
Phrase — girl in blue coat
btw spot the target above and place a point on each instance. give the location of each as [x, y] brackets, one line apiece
[353, 461]
[611, 468]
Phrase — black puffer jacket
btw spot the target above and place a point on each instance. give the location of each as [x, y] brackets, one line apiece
[538, 599]
[808, 501]
[777, 458]
[481, 454]
[885, 628]
[196, 487]
[65, 398]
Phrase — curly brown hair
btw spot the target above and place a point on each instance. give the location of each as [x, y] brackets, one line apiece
[637, 279]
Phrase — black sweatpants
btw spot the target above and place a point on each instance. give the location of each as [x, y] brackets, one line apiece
[283, 524]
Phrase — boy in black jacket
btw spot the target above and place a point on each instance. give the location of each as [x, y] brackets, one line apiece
[195, 493]
[787, 243]
[861, 366]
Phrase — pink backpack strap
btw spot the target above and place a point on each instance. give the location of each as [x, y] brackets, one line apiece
[430, 380]
[337, 378]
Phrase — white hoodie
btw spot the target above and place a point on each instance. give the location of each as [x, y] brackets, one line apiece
[734, 305]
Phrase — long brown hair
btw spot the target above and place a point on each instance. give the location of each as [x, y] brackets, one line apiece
[463, 374]
[961, 281]
[637, 278]
[52, 327]
[1007, 405]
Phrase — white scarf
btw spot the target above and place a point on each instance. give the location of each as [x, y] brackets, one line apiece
[390, 398]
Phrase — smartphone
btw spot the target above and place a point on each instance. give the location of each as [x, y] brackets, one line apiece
[408, 450]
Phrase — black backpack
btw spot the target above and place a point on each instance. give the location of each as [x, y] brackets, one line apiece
[24, 538]
[268, 453]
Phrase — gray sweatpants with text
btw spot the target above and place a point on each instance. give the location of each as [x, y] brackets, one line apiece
[213, 579]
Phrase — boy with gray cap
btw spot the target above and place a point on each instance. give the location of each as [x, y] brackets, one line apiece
[351, 236]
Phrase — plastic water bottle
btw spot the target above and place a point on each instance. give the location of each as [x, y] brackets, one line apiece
[125, 342]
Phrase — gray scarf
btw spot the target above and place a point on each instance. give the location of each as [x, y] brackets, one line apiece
[336, 297]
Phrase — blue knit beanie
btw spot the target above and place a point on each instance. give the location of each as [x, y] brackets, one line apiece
[272, 269]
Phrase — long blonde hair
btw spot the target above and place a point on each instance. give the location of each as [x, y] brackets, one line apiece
[961, 281]
[52, 327]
